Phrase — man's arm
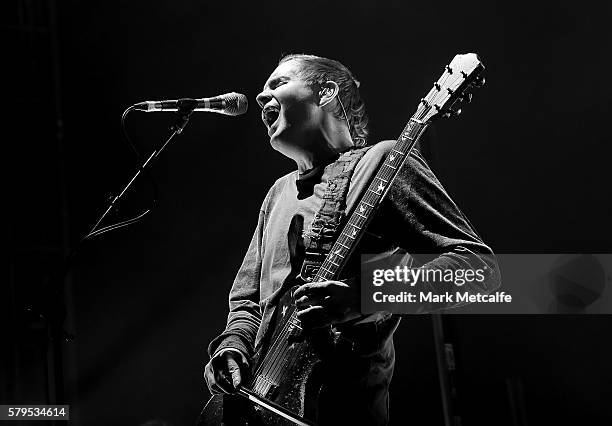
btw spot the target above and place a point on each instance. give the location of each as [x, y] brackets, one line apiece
[231, 351]
[244, 315]
[429, 225]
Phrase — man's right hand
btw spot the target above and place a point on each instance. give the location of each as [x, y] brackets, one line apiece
[224, 372]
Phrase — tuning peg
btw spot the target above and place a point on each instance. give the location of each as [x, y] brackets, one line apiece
[479, 82]
[451, 113]
[466, 97]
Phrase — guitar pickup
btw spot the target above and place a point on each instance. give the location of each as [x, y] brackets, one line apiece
[312, 264]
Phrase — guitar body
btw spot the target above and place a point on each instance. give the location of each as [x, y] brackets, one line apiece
[289, 374]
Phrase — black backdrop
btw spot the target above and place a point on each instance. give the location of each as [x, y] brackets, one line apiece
[527, 162]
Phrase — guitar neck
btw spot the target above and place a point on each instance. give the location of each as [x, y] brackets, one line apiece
[364, 210]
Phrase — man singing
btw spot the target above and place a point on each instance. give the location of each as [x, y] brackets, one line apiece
[314, 115]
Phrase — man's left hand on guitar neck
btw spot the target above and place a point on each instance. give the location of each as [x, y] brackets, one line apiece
[325, 303]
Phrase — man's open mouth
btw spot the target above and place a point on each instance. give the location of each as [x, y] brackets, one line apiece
[269, 115]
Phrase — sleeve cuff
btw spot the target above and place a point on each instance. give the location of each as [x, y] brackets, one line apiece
[243, 357]
[228, 341]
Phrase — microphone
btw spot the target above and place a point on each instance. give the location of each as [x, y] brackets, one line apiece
[228, 104]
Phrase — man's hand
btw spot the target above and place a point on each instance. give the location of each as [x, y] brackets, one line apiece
[223, 373]
[325, 303]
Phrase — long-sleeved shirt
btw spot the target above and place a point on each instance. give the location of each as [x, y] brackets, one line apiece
[417, 215]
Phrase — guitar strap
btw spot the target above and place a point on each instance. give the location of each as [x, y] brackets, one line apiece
[319, 239]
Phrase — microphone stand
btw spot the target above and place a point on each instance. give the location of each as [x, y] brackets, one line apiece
[52, 309]
[183, 115]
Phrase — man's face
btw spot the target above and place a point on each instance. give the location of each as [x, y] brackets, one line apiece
[290, 108]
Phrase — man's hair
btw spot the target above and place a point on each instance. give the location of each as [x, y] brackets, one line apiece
[316, 69]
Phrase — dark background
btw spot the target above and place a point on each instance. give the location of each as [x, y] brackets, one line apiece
[528, 162]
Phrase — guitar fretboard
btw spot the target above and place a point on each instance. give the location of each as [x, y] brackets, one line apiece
[364, 210]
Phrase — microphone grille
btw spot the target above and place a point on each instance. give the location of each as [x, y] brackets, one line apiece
[235, 103]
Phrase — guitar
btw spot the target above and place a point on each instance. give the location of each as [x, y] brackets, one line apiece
[281, 388]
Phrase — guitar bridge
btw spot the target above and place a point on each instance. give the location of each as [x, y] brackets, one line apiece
[265, 387]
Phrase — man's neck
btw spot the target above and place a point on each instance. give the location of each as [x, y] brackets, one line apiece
[323, 151]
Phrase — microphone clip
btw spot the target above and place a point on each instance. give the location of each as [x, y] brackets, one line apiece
[185, 108]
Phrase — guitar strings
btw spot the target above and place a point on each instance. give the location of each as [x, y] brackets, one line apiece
[264, 366]
[292, 361]
[288, 354]
[284, 368]
[270, 362]
[276, 369]
[262, 385]
[272, 354]
[289, 366]
[278, 365]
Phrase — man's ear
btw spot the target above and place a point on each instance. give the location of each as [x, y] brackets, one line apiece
[329, 90]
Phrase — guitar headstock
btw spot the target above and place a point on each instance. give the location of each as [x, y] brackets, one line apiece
[453, 88]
